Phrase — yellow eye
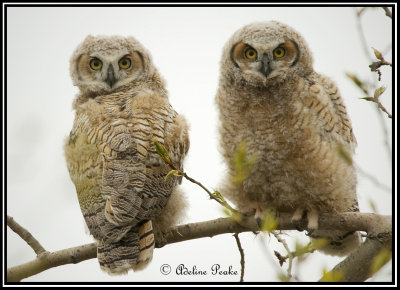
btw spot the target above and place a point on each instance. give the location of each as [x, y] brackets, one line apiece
[279, 52]
[250, 53]
[95, 64]
[124, 63]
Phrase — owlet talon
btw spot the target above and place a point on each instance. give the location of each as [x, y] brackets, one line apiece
[312, 217]
[298, 219]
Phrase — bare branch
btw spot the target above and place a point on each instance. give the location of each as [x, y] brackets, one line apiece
[241, 255]
[358, 265]
[50, 260]
[204, 229]
[387, 12]
[26, 236]
[377, 226]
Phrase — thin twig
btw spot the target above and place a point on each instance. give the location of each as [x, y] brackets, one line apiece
[363, 39]
[373, 179]
[385, 134]
[374, 66]
[26, 236]
[164, 155]
[268, 255]
[384, 109]
[376, 100]
[363, 87]
[236, 235]
[212, 196]
[290, 253]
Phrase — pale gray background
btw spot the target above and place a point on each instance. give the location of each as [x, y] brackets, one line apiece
[186, 45]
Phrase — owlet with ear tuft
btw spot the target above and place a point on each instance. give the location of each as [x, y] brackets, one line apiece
[293, 120]
[119, 177]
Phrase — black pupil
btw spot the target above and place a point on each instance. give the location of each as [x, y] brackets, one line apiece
[279, 51]
[251, 53]
[96, 63]
[124, 62]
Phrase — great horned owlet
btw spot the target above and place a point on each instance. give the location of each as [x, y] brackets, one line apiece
[112, 160]
[294, 122]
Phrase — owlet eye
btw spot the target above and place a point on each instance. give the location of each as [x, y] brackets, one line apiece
[124, 63]
[250, 53]
[95, 64]
[279, 52]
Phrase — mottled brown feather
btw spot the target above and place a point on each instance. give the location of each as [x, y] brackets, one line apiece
[293, 120]
[112, 160]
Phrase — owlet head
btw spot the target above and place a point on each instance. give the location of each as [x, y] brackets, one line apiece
[102, 64]
[265, 53]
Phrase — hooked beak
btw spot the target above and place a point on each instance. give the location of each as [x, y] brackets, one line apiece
[110, 80]
[265, 69]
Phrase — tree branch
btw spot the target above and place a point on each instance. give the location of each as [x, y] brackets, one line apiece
[379, 230]
[387, 12]
[50, 260]
[239, 245]
[358, 265]
[26, 236]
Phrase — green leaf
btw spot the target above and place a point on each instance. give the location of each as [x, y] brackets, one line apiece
[372, 205]
[269, 222]
[318, 243]
[344, 154]
[173, 173]
[332, 276]
[236, 216]
[378, 54]
[283, 278]
[301, 250]
[379, 91]
[354, 78]
[218, 195]
[227, 212]
[243, 163]
[368, 99]
[380, 260]
[358, 82]
[162, 152]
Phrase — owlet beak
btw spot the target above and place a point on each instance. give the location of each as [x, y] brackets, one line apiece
[110, 80]
[265, 68]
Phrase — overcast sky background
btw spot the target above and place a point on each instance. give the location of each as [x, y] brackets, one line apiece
[186, 45]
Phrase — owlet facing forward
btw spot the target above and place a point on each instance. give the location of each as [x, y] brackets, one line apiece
[294, 122]
[119, 177]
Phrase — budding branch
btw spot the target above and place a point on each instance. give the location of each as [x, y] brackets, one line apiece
[356, 266]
